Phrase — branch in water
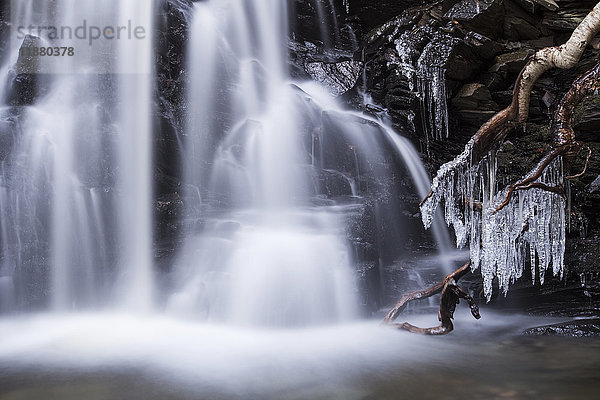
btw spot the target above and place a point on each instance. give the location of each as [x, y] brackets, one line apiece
[451, 295]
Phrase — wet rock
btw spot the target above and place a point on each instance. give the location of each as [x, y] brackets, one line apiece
[391, 28]
[25, 82]
[168, 208]
[547, 4]
[302, 54]
[595, 185]
[26, 63]
[451, 54]
[564, 20]
[484, 47]
[546, 41]
[337, 78]
[24, 89]
[172, 32]
[5, 28]
[482, 16]
[519, 24]
[517, 29]
[326, 23]
[581, 252]
[374, 13]
[474, 104]
[369, 284]
[512, 62]
[474, 96]
[587, 118]
[335, 184]
[577, 328]
[8, 127]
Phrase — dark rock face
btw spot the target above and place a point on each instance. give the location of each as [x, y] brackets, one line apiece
[171, 40]
[25, 84]
[478, 15]
[338, 78]
[4, 29]
[374, 13]
[474, 101]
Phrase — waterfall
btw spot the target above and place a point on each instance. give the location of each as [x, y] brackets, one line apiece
[75, 185]
[262, 247]
[135, 149]
[264, 255]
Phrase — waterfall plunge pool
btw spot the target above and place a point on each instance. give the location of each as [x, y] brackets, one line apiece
[117, 356]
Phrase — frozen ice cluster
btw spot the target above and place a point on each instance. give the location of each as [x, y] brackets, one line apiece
[425, 72]
[531, 225]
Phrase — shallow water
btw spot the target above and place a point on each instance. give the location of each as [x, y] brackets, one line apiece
[107, 356]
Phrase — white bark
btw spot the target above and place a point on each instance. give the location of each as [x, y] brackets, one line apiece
[564, 56]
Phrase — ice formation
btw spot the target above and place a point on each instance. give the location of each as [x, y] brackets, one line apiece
[346, 4]
[431, 85]
[532, 223]
[425, 73]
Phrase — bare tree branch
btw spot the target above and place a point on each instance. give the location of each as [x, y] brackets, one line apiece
[451, 295]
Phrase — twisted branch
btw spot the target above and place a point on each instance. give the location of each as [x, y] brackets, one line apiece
[451, 295]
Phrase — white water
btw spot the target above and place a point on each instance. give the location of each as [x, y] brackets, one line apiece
[267, 258]
[214, 361]
[65, 194]
[135, 150]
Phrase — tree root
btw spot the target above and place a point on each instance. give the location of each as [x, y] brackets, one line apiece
[451, 295]
[529, 182]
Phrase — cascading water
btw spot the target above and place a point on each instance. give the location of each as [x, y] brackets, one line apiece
[135, 148]
[75, 187]
[264, 255]
[265, 246]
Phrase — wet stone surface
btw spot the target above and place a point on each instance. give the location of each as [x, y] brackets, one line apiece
[576, 328]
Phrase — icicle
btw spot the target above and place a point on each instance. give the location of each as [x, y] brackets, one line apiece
[498, 240]
[346, 4]
[425, 73]
[406, 52]
[431, 83]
